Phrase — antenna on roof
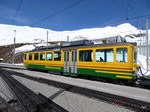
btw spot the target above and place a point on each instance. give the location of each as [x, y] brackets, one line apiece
[47, 40]
[67, 38]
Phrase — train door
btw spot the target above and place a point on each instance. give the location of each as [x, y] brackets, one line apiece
[74, 61]
[66, 61]
[70, 61]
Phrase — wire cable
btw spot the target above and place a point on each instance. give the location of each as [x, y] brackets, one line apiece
[124, 19]
[16, 13]
[74, 4]
[135, 13]
[131, 18]
[18, 8]
[120, 9]
[45, 18]
[55, 13]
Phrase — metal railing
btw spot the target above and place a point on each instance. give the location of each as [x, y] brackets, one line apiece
[142, 50]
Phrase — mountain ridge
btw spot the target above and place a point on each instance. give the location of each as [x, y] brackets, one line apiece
[27, 34]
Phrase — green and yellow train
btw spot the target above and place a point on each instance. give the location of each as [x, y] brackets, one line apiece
[108, 60]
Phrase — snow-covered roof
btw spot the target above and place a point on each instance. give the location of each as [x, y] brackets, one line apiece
[1, 59]
[24, 48]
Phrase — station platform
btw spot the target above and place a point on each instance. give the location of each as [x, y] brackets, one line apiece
[15, 66]
[125, 91]
[72, 102]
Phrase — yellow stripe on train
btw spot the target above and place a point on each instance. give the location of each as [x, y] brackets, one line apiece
[106, 68]
[118, 76]
[50, 67]
[114, 72]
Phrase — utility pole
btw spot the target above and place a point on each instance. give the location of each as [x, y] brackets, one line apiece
[140, 44]
[13, 58]
[47, 39]
[147, 54]
[67, 38]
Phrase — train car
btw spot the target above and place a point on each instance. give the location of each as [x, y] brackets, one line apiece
[115, 60]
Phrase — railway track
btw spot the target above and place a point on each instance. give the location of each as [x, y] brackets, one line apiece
[28, 100]
[133, 104]
[5, 107]
[132, 84]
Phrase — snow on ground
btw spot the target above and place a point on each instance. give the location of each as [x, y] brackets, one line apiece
[17, 64]
[141, 60]
[24, 48]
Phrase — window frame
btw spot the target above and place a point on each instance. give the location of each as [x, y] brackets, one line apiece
[37, 56]
[92, 55]
[58, 58]
[25, 56]
[126, 52]
[51, 55]
[40, 56]
[105, 55]
[30, 55]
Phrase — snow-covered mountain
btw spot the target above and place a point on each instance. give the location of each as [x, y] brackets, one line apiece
[26, 34]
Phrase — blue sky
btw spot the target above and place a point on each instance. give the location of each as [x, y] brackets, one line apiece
[87, 14]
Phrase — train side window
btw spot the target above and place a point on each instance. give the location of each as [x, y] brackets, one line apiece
[104, 55]
[30, 56]
[122, 55]
[36, 56]
[100, 55]
[86, 55]
[66, 56]
[49, 56]
[42, 56]
[57, 56]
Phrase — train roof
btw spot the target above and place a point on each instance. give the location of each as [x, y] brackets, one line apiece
[99, 45]
[110, 41]
[60, 47]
